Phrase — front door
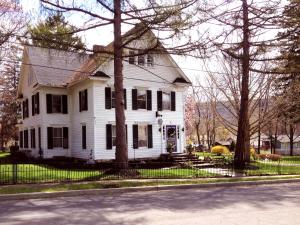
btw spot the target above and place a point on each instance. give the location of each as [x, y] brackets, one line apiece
[171, 139]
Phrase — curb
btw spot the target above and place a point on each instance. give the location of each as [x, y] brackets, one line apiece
[111, 191]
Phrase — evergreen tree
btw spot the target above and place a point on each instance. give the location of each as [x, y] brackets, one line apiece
[55, 32]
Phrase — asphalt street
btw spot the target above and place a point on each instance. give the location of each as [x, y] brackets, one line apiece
[255, 205]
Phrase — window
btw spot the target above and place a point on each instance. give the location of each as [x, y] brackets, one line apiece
[141, 60]
[113, 135]
[83, 100]
[150, 60]
[83, 137]
[57, 138]
[57, 103]
[32, 138]
[143, 136]
[166, 101]
[25, 138]
[131, 59]
[35, 101]
[113, 99]
[25, 109]
[141, 99]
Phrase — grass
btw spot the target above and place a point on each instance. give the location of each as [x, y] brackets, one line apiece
[30, 173]
[272, 168]
[290, 159]
[4, 155]
[121, 184]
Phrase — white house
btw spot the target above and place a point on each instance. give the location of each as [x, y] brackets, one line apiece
[283, 145]
[68, 104]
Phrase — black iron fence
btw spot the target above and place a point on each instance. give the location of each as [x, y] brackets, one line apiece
[12, 172]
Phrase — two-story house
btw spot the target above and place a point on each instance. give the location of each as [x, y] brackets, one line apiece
[68, 100]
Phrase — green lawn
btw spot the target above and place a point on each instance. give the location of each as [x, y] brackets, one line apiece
[29, 173]
[291, 159]
[272, 168]
[4, 155]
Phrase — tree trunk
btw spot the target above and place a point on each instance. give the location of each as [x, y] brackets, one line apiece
[291, 140]
[121, 143]
[259, 135]
[198, 135]
[243, 124]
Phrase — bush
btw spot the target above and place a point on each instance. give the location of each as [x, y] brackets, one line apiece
[220, 150]
[272, 157]
[253, 153]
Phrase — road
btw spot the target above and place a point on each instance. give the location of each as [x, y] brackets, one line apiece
[256, 205]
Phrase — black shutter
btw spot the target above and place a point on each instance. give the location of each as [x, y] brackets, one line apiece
[65, 137]
[135, 130]
[32, 137]
[126, 134]
[27, 108]
[23, 109]
[25, 135]
[32, 105]
[150, 136]
[80, 102]
[107, 98]
[159, 100]
[108, 136]
[173, 101]
[125, 98]
[49, 103]
[65, 104]
[50, 137]
[86, 99]
[83, 137]
[149, 100]
[40, 143]
[134, 99]
[37, 101]
[21, 139]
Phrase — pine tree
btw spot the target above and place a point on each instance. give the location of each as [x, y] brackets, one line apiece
[55, 32]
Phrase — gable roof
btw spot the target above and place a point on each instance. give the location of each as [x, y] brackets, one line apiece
[59, 68]
[51, 67]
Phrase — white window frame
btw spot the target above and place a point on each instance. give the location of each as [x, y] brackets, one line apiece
[57, 137]
[150, 60]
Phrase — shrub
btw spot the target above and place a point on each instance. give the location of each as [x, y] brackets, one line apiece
[272, 157]
[253, 153]
[220, 150]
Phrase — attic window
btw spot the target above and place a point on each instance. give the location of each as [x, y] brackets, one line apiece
[141, 60]
[149, 60]
[131, 59]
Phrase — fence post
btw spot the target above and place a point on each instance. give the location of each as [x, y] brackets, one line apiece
[15, 173]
